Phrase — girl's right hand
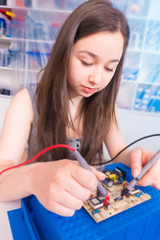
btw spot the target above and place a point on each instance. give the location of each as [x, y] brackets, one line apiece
[61, 186]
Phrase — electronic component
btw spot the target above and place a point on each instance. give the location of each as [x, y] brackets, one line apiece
[101, 208]
[118, 199]
[120, 173]
[117, 176]
[106, 204]
[134, 191]
[95, 202]
[107, 182]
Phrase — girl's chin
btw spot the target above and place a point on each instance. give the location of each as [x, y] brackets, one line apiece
[81, 94]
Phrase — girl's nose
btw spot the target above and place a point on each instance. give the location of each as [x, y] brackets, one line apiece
[95, 77]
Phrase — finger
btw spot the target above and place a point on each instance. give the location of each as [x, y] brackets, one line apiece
[151, 177]
[146, 180]
[77, 190]
[156, 186]
[69, 201]
[100, 175]
[85, 178]
[60, 209]
[63, 197]
[136, 162]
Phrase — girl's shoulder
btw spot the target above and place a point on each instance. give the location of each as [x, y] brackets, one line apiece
[16, 128]
[22, 104]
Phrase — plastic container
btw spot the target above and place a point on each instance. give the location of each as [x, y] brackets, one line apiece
[38, 31]
[54, 30]
[2, 27]
[141, 222]
[9, 29]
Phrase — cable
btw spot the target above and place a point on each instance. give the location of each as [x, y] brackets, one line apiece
[39, 154]
[74, 150]
[138, 140]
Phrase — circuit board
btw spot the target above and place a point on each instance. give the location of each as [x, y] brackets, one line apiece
[101, 208]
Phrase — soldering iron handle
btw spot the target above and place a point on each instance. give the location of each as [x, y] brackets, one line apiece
[101, 190]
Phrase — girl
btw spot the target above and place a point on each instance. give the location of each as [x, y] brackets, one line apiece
[73, 103]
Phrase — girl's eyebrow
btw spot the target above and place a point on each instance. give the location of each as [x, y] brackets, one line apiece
[95, 56]
[89, 53]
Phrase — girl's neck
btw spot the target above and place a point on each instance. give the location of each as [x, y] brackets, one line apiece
[74, 106]
[75, 101]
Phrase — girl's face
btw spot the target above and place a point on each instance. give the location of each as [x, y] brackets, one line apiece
[93, 63]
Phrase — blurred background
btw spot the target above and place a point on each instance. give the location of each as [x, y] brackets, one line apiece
[28, 29]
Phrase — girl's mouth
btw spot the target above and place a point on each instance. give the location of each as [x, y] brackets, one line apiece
[88, 89]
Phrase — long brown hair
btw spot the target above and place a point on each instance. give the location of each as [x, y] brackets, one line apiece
[52, 95]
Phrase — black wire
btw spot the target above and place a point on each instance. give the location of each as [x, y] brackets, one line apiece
[138, 140]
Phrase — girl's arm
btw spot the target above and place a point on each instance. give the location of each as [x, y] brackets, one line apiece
[16, 129]
[61, 186]
[13, 139]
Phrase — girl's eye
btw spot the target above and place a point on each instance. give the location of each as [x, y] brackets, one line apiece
[109, 69]
[86, 63]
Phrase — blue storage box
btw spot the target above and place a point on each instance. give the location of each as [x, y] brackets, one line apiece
[141, 222]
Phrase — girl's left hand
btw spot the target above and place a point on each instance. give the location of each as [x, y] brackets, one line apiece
[140, 157]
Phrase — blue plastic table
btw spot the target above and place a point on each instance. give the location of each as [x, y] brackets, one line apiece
[142, 222]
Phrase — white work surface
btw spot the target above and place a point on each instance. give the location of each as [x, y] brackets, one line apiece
[5, 230]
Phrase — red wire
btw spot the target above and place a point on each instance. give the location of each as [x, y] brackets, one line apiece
[39, 154]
